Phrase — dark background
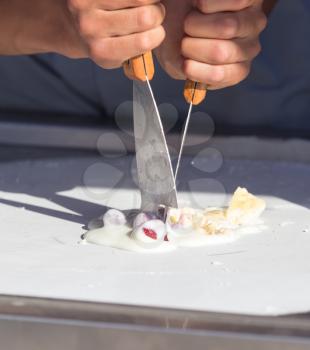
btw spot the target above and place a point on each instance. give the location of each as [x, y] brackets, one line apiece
[273, 101]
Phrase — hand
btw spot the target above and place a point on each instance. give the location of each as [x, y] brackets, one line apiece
[38, 26]
[221, 40]
[117, 30]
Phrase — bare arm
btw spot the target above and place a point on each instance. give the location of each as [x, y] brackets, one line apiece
[38, 26]
[107, 31]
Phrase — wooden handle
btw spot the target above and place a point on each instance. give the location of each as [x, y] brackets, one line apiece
[140, 67]
[194, 92]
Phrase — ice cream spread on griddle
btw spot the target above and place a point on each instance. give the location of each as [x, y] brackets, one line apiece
[184, 227]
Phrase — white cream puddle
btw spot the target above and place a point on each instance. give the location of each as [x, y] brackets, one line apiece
[182, 228]
[120, 237]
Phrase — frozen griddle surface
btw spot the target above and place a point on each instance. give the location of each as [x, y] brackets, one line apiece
[44, 204]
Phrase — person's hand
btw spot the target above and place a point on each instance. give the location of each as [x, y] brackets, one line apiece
[117, 30]
[38, 26]
[216, 41]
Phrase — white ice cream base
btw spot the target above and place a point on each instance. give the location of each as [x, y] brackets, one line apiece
[122, 237]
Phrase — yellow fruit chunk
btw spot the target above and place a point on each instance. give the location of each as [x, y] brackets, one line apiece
[244, 207]
[215, 222]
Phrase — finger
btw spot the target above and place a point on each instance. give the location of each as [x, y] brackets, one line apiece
[113, 52]
[220, 52]
[228, 25]
[100, 23]
[122, 4]
[216, 77]
[213, 6]
[111, 5]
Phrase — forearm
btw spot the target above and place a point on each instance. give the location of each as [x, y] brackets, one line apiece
[268, 6]
[37, 26]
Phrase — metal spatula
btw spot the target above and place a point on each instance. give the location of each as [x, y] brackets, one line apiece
[155, 173]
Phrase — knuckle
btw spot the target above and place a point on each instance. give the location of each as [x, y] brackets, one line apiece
[188, 24]
[137, 3]
[252, 50]
[230, 26]
[140, 3]
[245, 71]
[160, 13]
[86, 26]
[146, 17]
[257, 48]
[144, 42]
[221, 53]
[184, 46]
[262, 22]
[188, 68]
[218, 75]
[241, 73]
[242, 4]
[100, 52]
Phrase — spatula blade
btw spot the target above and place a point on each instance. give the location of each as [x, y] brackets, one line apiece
[155, 172]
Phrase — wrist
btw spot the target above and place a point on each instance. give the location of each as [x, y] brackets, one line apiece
[47, 26]
[64, 35]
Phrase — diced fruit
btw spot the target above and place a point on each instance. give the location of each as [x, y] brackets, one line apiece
[173, 216]
[150, 231]
[244, 207]
[179, 223]
[190, 220]
[181, 217]
[114, 217]
[186, 220]
[215, 222]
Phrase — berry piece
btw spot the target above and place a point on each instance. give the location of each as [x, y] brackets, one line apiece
[114, 217]
[150, 231]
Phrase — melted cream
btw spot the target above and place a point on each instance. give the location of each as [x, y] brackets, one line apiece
[186, 227]
[120, 237]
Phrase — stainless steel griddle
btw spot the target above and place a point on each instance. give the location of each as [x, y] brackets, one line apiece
[39, 310]
[34, 323]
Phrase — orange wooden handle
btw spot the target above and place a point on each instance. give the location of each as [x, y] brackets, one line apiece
[140, 67]
[195, 92]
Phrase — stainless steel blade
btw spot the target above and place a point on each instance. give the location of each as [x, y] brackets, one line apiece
[183, 140]
[155, 173]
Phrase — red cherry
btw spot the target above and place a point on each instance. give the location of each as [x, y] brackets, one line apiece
[150, 233]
